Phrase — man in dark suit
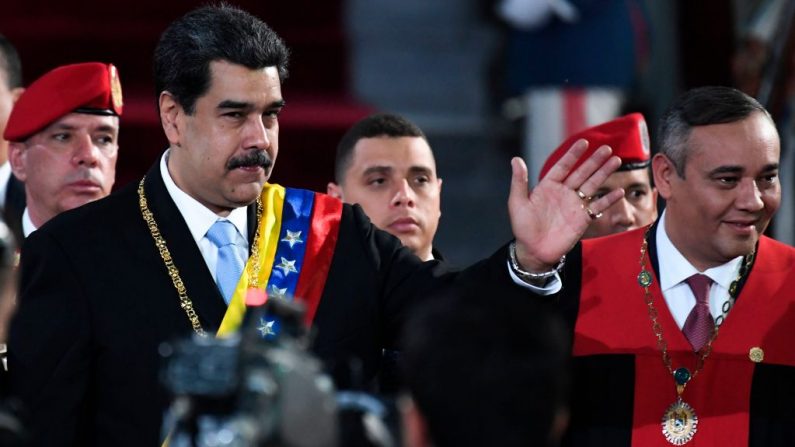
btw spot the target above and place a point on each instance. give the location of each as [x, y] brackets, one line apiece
[103, 285]
[12, 192]
[385, 164]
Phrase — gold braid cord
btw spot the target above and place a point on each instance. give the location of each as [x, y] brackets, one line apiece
[184, 301]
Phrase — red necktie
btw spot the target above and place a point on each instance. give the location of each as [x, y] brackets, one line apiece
[699, 324]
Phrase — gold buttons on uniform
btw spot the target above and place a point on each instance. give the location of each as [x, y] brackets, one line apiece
[756, 354]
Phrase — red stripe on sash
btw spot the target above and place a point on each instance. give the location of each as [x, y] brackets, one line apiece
[320, 245]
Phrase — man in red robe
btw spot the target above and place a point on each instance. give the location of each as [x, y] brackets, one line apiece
[658, 359]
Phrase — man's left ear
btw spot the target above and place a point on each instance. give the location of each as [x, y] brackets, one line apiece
[334, 190]
[654, 195]
[170, 116]
[663, 170]
[16, 159]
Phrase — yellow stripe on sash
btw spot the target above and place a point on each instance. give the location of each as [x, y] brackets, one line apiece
[270, 225]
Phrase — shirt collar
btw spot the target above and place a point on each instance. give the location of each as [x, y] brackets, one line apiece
[675, 268]
[5, 176]
[27, 223]
[198, 217]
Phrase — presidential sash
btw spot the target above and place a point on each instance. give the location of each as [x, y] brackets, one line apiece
[298, 232]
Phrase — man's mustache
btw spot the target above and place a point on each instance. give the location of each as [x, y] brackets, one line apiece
[257, 158]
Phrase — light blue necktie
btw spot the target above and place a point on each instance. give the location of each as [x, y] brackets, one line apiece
[231, 258]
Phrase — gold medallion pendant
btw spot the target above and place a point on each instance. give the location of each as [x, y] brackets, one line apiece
[679, 423]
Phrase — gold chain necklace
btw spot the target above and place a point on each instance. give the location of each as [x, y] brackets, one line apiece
[679, 422]
[184, 301]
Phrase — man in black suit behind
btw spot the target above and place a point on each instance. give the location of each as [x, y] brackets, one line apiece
[98, 296]
[12, 191]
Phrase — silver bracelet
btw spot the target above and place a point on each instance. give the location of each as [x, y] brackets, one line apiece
[529, 275]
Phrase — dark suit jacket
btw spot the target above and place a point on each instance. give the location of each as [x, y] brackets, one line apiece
[95, 302]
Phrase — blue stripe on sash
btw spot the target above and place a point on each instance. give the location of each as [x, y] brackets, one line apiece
[289, 258]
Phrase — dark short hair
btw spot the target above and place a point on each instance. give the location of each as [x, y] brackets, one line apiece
[377, 125]
[486, 371]
[10, 63]
[702, 106]
[213, 33]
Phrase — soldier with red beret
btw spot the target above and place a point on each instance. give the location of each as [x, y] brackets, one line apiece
[628, 136]
[63, 134]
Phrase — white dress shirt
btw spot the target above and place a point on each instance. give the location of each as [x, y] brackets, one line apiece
[27, 224]
[200, 218]
[552, 287]
[5, 176]
[675, 269]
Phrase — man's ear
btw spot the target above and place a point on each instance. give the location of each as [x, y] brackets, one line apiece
[334, 190]
[171, 114]
[654, 195]
[16, 159]
[664, 171]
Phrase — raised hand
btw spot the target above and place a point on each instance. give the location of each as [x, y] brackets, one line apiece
[551, 218]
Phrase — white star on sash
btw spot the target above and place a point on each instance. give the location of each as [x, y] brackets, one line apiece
[277, 292]
[287, 266]
[266, 328]
[293, 238]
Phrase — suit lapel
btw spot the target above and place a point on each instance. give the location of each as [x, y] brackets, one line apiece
[201, 289]
[252, 224]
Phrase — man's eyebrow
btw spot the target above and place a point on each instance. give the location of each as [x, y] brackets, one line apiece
[731, 169]
[62, 126]
[377, 170]
[232, 104]
[105, 128]
[423, 170]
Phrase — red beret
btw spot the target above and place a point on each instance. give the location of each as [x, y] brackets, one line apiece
[627, 136]
[91, 87]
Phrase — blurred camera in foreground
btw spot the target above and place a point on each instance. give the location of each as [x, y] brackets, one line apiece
[259, 387]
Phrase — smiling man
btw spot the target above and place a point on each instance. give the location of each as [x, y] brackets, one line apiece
[690, 318]
[63, 133]
[178, 252]
[384, 164]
